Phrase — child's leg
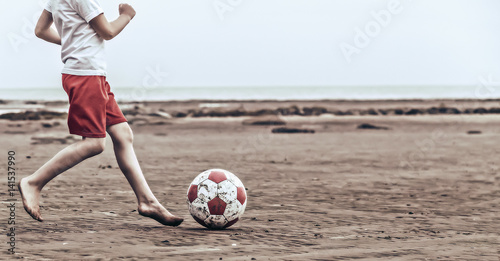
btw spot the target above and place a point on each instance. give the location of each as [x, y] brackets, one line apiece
[31, 186]
[122, 137]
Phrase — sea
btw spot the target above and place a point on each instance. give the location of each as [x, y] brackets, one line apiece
[278, 93]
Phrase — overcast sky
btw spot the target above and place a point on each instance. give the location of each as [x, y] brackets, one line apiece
[273, 42]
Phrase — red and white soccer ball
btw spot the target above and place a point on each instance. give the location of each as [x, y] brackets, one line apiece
[216, 198]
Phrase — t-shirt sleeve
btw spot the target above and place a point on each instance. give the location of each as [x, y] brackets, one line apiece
[88, 9]
[48, 7]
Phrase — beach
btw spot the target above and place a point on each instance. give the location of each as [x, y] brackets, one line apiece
[326, 180]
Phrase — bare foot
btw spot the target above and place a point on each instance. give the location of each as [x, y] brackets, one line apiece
[31, 196]
[157, 212]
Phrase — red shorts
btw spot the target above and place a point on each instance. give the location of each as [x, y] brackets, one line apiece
[92, 105]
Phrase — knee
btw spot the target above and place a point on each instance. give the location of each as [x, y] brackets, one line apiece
[128, 135]
[96, 146]
[124, 136]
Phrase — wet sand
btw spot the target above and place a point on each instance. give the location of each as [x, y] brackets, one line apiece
[420, 187]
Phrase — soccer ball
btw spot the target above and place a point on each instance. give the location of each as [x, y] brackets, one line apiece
[216, 199]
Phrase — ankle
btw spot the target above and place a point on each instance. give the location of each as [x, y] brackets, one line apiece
[148, 202]
[32, 183]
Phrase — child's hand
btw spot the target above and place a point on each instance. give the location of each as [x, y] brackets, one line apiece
[126, 9]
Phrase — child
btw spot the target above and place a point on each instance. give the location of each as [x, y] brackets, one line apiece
[81, 31]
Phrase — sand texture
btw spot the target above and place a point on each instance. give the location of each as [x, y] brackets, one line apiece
[356, 187]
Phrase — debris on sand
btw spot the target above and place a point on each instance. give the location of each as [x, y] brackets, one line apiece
[473, 132]
[292, 130]
[314, 111]
[178, 114]
[142, 110]
[265, 121]
[50, 140]
[50, 125]
[292, 110]
[143, 121]
[371, 112]
[138, 121]
[33, 115]
[480, 111]
[205, 112]
[371, 127]
[414, 112]
[161, 114]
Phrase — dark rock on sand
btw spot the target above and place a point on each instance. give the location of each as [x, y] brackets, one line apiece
[179, 114]
[368, 112]
[265, 121]
[138, 121]
[230, 113]
[54, 103]
[263, 112]
[480, 111]
[33, 115]
[150, 121]
[468, 111]
[337, 112]
[443, 110]
[50, 125]
[202, 113]
[191, 113]
[453, 111]
[372, 127]
[494, 110]
[130, 112]
[314, 111]
[216, 113]
[292, 130]
[414, 112]
[292, 110]
[348, 112]
[136, 110]
[433, 110]
[399, 112]
[472, 132]
[158, 123]
[383, 112]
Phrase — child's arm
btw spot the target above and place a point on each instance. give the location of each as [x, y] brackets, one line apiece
[108, 30]
[44, 31]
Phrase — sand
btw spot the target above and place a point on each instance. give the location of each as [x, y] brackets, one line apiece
[419, 188]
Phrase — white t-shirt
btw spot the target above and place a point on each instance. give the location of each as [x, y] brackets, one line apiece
[82, 49]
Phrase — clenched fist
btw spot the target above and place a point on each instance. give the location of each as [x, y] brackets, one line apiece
[126, 9]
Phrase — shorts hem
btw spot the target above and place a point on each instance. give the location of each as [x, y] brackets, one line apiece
[89, 135]
[115, 122]
[97, 72]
